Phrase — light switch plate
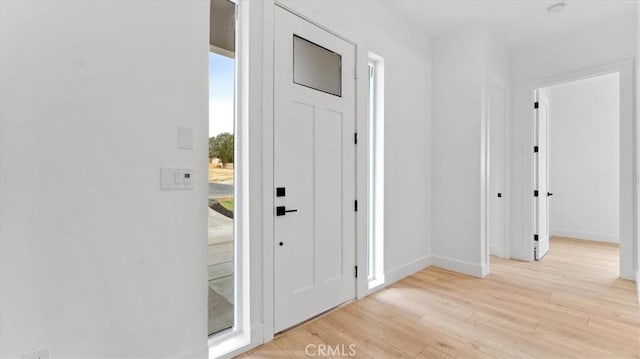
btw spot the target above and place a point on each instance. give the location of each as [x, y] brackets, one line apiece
[185, 138]
[38, 354]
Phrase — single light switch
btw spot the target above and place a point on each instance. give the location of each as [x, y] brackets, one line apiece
[185, 138]
[178, 178]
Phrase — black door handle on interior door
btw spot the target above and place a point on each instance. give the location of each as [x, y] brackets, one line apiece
[282, 210]
[549, 194]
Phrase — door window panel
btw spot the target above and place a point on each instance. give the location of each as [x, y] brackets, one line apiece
[316, 67]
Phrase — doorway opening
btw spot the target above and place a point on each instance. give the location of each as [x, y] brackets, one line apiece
[577, 169]
[221, 171]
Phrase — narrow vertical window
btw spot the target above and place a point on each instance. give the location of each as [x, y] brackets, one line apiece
[375, 211]
[222, 123]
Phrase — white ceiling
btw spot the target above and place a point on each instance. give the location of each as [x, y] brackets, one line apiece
[516, 21]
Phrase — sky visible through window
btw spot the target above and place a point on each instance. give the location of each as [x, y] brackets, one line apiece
[221, 93]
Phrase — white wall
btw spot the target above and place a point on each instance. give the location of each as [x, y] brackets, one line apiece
[534, 62]
[584, 159]
[456, 149]
[95, 260]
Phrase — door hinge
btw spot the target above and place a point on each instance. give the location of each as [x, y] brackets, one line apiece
[536, 104]
[355, 73]
[355, 205]
[535, 237]
[535, 193]
[355, 138]
[356, 268]
[535, 149]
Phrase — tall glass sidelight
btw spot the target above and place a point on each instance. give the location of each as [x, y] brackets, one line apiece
[221, 239]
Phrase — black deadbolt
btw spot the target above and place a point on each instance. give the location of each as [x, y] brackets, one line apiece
[499, 195]
[281, 192]
[281, 244]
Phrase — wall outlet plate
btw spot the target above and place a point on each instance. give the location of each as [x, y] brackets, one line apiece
[38, 354]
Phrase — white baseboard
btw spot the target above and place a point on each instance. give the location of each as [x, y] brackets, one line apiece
[463, 267]
[407, 269]
[589, 236]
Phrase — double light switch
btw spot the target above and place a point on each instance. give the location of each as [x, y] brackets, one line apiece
[176, 178]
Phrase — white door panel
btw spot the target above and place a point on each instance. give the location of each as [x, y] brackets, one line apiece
[315, 163]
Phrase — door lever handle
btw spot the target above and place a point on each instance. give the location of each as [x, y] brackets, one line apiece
[549, 194]
[282, 210]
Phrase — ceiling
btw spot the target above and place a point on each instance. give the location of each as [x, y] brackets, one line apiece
[516, 21]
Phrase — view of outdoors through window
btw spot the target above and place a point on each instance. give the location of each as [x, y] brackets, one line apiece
[221, 182]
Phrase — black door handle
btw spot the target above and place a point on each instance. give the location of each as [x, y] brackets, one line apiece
[282, 210]
[549, 194]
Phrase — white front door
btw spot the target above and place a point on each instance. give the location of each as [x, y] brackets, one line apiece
[314, 94]
[541, 190]
[496, 211]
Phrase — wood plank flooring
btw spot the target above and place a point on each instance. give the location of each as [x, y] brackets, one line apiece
[570, 304]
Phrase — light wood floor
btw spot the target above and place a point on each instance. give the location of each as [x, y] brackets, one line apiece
[570, 304]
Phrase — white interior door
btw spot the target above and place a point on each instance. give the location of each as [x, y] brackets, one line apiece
[496, 211]
[314, 94]
[541, 245]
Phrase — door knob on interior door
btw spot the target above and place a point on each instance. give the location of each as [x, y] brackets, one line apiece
[282, 210]
[549, 194]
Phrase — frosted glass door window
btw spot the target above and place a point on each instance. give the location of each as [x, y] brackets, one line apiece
[316, 67]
